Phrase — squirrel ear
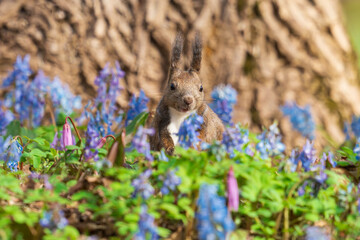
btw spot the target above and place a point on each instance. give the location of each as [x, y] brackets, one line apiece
[176, 52]
[197, 48]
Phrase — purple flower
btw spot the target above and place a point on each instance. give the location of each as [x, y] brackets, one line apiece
[66, 138]
[142, 185]
[137, 105]
[224, 100]
[293, 160]
[235, 138]
[307, 155]
[169, 182]
[300, 118]
[92, 141]
[232, 191]
[188, 132]
[140, 143]
[146, 226]
[213, 219]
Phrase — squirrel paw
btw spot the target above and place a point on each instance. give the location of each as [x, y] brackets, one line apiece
[170, 150]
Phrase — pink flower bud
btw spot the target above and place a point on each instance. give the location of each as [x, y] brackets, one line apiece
[101, 143]
[232, 191]
[67, 138]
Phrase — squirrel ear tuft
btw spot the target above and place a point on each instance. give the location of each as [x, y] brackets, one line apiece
[176, 51]
[197, 49]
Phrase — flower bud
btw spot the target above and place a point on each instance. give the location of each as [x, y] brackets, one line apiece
[101, 142]
[67, 138]
[232, 191]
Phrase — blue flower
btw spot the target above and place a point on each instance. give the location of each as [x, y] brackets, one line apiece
[137, 105]
[355, 126]
[224, 100]
[234, 138]
[20, 73]
[12, 155]
[146, 226]
[317, 233]
[356, 150]
[270, 142]
[188, 132]
[216, 149]
[6, 117]
[53, 221]
[169, 182]
[212, 213]
[62, 98]
[300, 118]
[142, 185]
[140, 143]
[163, 156]
[4, 146]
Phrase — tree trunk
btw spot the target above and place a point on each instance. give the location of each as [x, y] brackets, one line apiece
[271, 51]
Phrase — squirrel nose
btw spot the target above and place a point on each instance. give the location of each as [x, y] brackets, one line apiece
[188, 100]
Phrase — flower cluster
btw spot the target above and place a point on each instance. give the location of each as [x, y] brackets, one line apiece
[137, 105]
[28, 97]
[300, 118]
[108, 83]
[307, 157]
[224, 97]
[53, 220]
[188, 132]
[92, 141]
[212, 212]
[170, 181]
[140, 143]
[270, 142]
[142, 185]
[146, 226]
[235, 138]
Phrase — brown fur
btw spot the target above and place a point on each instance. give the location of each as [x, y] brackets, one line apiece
[183, 94]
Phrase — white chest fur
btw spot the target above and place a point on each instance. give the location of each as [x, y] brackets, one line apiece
[176, 119]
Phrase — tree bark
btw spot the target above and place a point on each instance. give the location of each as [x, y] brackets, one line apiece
[271, 51]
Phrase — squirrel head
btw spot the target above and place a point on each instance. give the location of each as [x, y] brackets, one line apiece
[184, 91]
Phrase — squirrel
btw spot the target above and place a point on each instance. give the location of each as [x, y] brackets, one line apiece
[184, 95]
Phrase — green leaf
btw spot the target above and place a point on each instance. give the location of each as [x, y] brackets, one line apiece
[72, 147]
[13, 128]
[36, 162]
[137, 121]
[37, 152]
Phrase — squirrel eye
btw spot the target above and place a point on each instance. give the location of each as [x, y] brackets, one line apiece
[201, 88]
[172, 86]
